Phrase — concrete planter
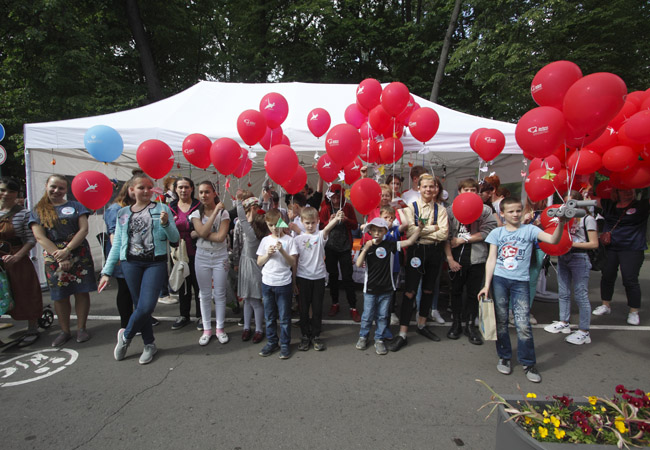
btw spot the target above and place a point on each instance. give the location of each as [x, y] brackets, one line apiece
[511, 436]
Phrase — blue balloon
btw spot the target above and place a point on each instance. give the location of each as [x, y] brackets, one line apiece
[103, 143]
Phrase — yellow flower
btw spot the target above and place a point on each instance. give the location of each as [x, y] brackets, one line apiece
[545, 413]
[555, 421]
[559, 434]
[543, 432]
[531, 395]
[547, 420]
[602, 408]
[619, 423]
[593, 399]
[527, 420]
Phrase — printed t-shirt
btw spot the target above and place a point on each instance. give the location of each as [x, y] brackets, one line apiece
[513, 250]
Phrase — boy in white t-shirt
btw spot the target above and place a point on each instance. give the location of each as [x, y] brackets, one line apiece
[310, 275]
[276, 254]
[507, 271]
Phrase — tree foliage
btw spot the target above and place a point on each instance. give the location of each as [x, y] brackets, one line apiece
[62, 59]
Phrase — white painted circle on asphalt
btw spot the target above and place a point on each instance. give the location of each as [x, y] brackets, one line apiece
[35, 366]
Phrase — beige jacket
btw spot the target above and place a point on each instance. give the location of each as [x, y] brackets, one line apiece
[431, 233]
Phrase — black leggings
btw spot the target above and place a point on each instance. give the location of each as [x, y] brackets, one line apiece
[630, 262]
[427, 260]
[185, 293]
[311, 293]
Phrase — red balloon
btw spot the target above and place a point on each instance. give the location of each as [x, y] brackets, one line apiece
[553, 81]
[361, 108]
[251, 126]
[155, 158]
[369, 151]
[638, 127]
[353, 171]
[379, 119]
[327, 169]
[424, 124]
[628, 110]
[281, 162]
[196, 149]
[551, 162]
[343, 143]
[474, 137]
[404, 116]
[560, 153]
[561, 182]
[397, 130]
[244, 167]
[390, 151]
[637, 177]
[537, 187]
[467, 207]
[623, 139]
[605, 141]
[226, 155]
[271, 137]
[92, 189]
[369, 93]
[394, 98]
[367, 132]
[619, 158]
[576, 139]
[365, 195]
[354, 117]
[594, 100]
[297, 181]
[318, 122]
[561, 247]
[275, 109]
[285, 140]
[547, 221]
[584, 161]
[540, 131]
[604, 189]
[490, 143]
[636, 97]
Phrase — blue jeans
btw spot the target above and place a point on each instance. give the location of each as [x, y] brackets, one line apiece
[573, 269]
[375, 308]
[508, 291]
[277, 309]
[144, 280]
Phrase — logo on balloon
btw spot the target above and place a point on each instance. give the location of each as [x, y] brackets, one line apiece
[314, 117]
[333, 142]
[538, 130]
[269, 105]
[249, 123]
[360, 90]
[490, 140]
[189, 151]
[413, 124]
[91, 187]
[535, 88]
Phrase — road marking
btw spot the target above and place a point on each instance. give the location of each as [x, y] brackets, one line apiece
[35, 366]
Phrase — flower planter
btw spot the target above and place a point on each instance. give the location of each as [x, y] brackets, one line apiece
[511, 436]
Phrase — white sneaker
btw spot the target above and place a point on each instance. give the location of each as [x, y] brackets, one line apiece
[602, 310]
[223, 338]
[167, 300]
[558, 327]
[578, 338]
[394, 320]
[205, 339]
[147, 353]
[532, 320]
[633, 318]
[435, 315]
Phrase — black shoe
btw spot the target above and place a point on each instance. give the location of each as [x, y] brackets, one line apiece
[427, 333]
[397, 344]
[304, 344]
[199, 324]
[154, 322]
[180, 322]
[455, 331]
[241, 322]
[474, 336]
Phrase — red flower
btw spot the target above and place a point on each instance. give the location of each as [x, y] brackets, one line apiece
[620, 389]
[586, 429]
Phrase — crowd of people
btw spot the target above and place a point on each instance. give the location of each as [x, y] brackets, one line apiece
[279, 259]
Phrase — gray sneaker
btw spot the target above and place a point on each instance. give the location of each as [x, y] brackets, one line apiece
[147, 353]
[503, 366]
[380, 348]
[122, 345]
[362, 343]
[532, 374]
[319, 345]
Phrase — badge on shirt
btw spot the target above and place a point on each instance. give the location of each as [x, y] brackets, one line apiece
[630, 211]
[67, 211]
[416, 262]
[123, 219]
[510, 263]
[381, 253]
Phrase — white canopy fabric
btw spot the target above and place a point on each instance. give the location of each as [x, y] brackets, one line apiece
[212, 108]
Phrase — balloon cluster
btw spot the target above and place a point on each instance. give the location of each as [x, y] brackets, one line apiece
[373, 127]
[583, 125]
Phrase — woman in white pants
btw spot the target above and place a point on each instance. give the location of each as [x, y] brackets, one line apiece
[211, 221]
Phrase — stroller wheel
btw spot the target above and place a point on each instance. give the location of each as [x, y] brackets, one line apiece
[47, 319]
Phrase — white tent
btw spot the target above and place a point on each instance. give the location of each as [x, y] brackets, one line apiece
[212, 108]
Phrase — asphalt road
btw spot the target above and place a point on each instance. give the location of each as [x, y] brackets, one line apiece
[227, 397]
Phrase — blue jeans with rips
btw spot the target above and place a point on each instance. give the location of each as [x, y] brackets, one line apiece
[375, 308]
[277, 309]
[573, 270]
[517, 292]
[144, 279]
